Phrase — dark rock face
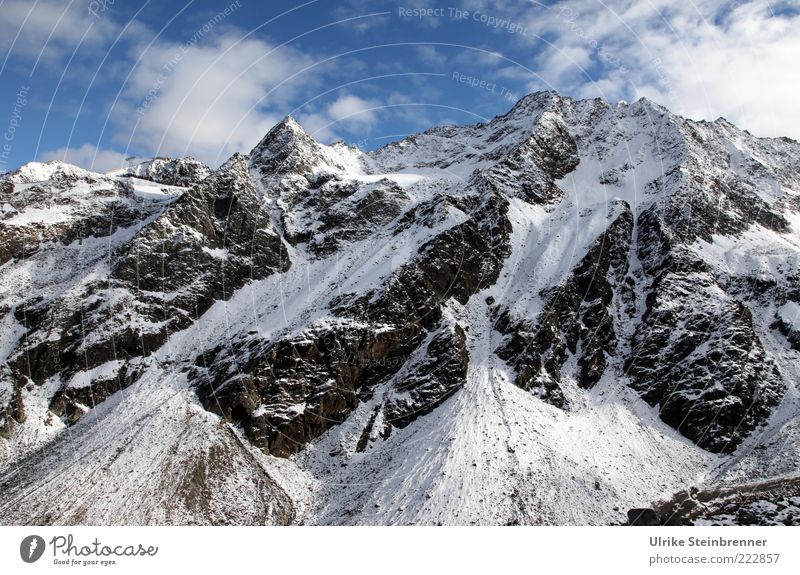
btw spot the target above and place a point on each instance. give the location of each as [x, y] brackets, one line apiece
[183, 172]
[456, 263]
[441, 372]
[287, 393]
[206, 246]
[697, 356]
[696, 353]
[643, 517]
[530, 170]
[577, 318]
[290, 392]
[100, 211]
[202, 247]
[353, 220]
[722, 202]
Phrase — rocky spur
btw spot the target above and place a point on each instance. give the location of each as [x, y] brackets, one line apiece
[65, 546]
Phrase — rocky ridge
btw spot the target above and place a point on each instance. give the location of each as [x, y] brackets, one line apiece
[564, 262]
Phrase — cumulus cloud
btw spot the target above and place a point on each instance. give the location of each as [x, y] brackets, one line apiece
[50, 28]
[431, 55]
[88, 157]
[701, 59]
[347, 113]
[319, 125]
[221, 94]
[210, 100]
[350, 109]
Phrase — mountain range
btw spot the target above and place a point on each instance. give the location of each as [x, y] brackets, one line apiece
[564, 315]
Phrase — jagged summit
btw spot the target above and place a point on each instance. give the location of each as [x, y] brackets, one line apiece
[287, 133]
[287, 152]
[44, 171]
[181, 172]
[287, 148]
[568, 311]
[184, 172]
[535, 100]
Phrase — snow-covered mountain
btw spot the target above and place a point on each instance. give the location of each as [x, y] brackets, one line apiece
[171, 171]
[568, 312]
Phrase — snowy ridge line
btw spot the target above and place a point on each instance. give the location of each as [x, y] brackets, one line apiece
[552, 317]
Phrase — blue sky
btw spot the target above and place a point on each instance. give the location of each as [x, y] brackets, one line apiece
[96, 82]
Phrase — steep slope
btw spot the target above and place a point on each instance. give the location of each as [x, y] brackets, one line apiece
[60, 226]
[147, 265]
[553, 317]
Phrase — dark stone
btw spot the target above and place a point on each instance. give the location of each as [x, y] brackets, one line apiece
[643, 517]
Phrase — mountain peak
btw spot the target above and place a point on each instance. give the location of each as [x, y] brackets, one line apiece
[289, 123]
[288, 147]
[645, 102]
[535, 100]
[183, 172]
[42, 171]
[284, 132]
[339, 309]
[284, 137]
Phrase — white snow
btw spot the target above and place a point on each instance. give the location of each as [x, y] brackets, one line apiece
[790, 313]
[148, 190]
[40, 172]
[45, 216]
[104, 371]
[218, 253]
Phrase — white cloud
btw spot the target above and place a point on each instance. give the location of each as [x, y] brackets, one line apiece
[211, 100]
[348, 113]
[701, 59]
[51, 28]
[354, 111]
[88, 157]
[431, 55]
[319, 126]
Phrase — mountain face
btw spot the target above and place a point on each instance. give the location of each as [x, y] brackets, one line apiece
[570, 311]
